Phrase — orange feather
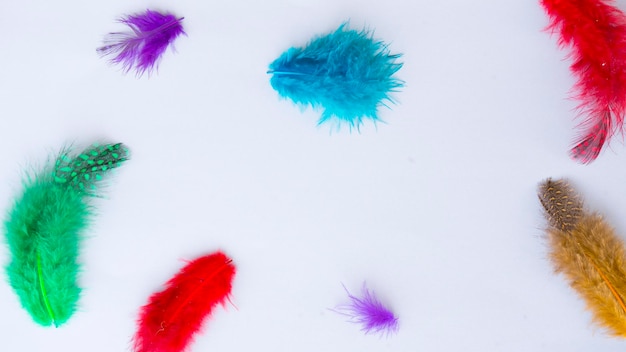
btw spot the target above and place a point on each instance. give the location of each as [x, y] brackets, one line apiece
[586, 250]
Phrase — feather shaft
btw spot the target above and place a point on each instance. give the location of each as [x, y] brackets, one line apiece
[611, 287]
[42, 287]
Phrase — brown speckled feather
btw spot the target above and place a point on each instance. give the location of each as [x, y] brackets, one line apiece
[562, 204]
[586, 250]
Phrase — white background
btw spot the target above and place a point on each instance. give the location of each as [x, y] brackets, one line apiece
[436, 209]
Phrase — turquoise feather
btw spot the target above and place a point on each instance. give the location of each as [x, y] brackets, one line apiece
[44, 229]
[347, 73]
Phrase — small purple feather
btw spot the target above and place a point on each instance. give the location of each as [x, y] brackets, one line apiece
[369, 312]
[152, 32]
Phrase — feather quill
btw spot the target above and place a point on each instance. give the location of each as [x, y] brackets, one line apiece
[347, 73]
[596, 32]
[44, 228]
[586, 250]
[368, 311]
[173, 316]
[141, 48]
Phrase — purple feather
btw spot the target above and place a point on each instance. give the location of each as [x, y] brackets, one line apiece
[141, 48]
[369, 312]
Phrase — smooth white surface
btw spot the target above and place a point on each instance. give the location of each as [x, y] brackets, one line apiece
[436, 209]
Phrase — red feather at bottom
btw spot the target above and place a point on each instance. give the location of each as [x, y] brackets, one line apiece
[171, 317]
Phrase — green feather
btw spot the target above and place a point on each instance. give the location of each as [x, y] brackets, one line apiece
[43, 233]
[44, 229]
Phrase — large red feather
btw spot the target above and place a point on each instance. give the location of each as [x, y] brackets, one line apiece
[596, 31]
[171, 317]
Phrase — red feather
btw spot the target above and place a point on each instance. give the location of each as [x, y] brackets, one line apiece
[171, 317]
[596, 31]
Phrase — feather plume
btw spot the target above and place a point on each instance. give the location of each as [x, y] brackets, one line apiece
[141, 48]
[596, 32]
[347, 73]
[44, 229]
[586, 250]
[368, 311]
[173, 316]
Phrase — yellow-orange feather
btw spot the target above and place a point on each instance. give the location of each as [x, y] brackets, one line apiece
[586, 250]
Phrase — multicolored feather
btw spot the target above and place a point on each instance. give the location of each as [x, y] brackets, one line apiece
[44, 229]
[347, 73]
[141, 48]
[596, 32]
[368, 311]
[586, 250]
[173, 316]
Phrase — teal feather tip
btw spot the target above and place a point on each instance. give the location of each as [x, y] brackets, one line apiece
[346, 73]
[44, 229]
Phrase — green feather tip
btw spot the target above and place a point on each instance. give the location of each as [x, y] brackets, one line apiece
[86, 169]
[44, 229]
